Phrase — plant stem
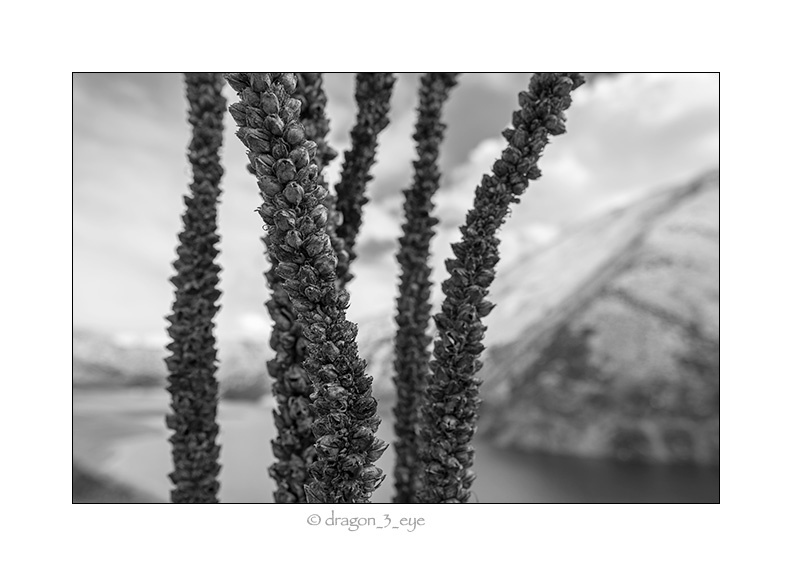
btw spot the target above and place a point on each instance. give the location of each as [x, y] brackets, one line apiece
[413, 309]
[450, 410]
[313, 99]
[295, 220]
[373, 93]
[192, 363]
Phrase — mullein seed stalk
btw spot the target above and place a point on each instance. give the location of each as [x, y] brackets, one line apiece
[192, 363]
[413, 309]
[295, 220]
[373, 93]
[450, 410]
[311, 95]
[293, 446]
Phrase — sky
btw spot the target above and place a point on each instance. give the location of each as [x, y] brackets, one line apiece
[628, 135]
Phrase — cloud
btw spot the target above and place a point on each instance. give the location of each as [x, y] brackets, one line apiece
[627, 135]
[253, 325]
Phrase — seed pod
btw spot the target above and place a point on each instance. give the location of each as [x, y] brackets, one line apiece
[238, 113]
[511, 155]
[293, 239]
[266, 211]
[313, 332]
[289, 82]
[279, 149]
[313, 294]
[329, 445]
[254, 118]
[300, 157]
[250, 97]
[555, 126]
[377, 447]
[520, 138]
[291, 110]
[313, 495]
[285, 170]
[321, 192]
[352, 463]
[500, 168]
[336, 393]
[293, 193]
[319, 216]
[260, 81]
[564, 87]
[330, 350]
[343, 300]
[274, 125]
[484, 308]
[257, 140]
[285, 220]
[308, 276]
[269, 103]
[301, 305]
[294, 133]
[310, 147]
[237, 80]
[326, 265]
[287, 270]
[328, 373]
[316, 244]
[263, 166]
[370, 472]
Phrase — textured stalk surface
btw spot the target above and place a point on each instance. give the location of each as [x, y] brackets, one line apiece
[293, 445]
[373, 93]
[313, 99]
[192, 362]
[450, 411]
[295, 220]
[413, 309]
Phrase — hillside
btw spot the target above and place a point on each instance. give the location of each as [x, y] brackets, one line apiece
[608, 343]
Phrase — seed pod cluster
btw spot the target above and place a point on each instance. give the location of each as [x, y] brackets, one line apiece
[192, 362]
[293, 445]
[372, 93]
[411, 363]
[313, 99]
[344, 410]
[450, 411]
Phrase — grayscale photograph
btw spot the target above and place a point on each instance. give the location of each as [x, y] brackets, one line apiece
[411, 288]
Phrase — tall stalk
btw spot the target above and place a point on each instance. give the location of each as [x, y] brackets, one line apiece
[373, 93]
[313, 99]
[293, 446]
[450, 410]
[192, 363]
[295, 220]
[411, 363]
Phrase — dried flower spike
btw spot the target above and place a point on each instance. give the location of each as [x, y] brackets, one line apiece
[372, 93]
[411, 363]
[313, 99]
[294, 443]
[192, 363]
[345, 424]
[450, 410]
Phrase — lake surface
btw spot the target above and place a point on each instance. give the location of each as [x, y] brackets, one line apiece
[122, 434]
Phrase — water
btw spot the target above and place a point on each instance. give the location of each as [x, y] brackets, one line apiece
[122, 434]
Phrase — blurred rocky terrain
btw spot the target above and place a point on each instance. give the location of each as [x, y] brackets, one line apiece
[606, 343]
[99, 361]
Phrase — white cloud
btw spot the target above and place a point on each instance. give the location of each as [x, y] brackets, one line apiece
[254, 325]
